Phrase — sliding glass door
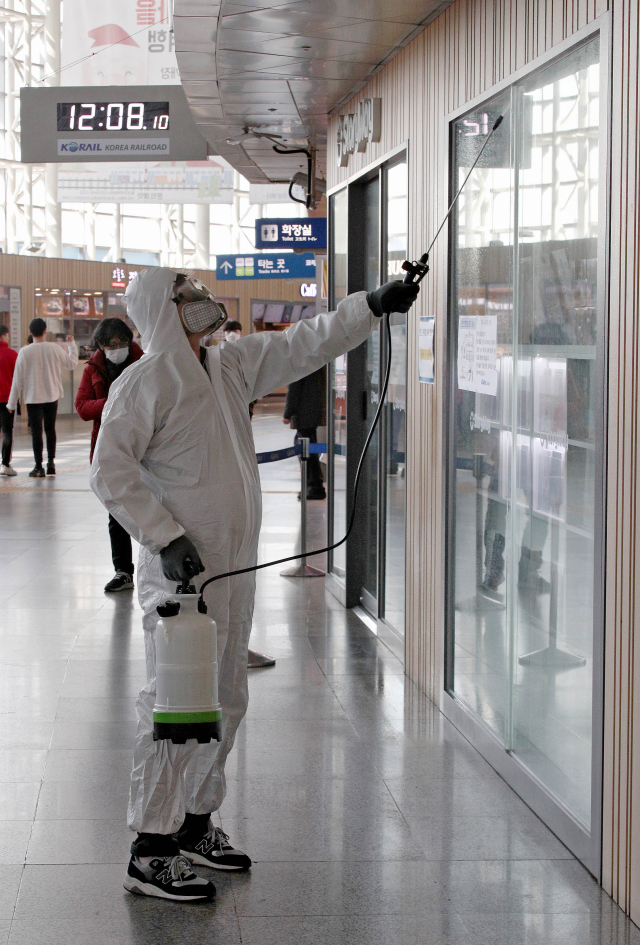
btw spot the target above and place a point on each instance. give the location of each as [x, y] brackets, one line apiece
[526, 425]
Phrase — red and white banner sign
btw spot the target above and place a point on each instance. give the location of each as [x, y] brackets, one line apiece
[123, 42]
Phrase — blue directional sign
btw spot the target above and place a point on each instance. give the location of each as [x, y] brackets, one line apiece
[298, 233]
[267, 266]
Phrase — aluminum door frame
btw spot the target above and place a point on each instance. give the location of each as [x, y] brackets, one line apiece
[344, 591]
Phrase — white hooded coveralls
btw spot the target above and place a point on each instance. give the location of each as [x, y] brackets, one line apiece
[175, 455]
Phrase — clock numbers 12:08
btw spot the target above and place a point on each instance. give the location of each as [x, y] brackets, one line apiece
[111, 117]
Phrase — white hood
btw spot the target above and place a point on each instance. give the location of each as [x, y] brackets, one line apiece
[151, 310]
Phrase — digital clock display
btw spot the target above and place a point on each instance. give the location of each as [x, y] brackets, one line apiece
[113, 116]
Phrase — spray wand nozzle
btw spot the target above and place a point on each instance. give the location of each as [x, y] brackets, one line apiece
[417, 270]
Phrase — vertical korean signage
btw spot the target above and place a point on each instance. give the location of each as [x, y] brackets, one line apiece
[15, 316]
[124, 42]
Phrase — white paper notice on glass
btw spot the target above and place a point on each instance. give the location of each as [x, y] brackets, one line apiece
[425, 349]
[486, 356]
[467, 352]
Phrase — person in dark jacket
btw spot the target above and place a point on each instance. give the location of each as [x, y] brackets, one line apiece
[7, 365]
[116, 350]
[303, 411]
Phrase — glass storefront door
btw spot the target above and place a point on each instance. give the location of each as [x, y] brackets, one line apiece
[392, 604]
[370, 474]
[338, 388]
[378, 215]
[526, 425]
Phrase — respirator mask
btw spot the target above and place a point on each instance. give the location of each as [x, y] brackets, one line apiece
[200, 311]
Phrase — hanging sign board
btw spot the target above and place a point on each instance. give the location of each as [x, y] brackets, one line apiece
[274, 193]
[425, 349]
[108, 123]
[266, 266]
[201, 182]
[296, 233]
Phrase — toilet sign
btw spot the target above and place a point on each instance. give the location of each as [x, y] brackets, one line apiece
[294, 233]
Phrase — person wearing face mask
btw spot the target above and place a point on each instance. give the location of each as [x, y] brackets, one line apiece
[232, 331]
[175, 464]
[115, 351]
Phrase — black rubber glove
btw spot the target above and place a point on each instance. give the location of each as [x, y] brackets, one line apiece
[180, 560]
[393, 297]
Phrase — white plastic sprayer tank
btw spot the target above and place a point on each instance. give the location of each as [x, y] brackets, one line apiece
[187, 671]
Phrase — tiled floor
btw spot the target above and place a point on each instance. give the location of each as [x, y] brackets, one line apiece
[369, 817]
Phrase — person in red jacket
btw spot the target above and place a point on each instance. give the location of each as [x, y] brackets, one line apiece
[116, 350]
[7, 364]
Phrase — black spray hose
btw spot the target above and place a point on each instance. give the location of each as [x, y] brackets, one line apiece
[356, 483]
[415, 272]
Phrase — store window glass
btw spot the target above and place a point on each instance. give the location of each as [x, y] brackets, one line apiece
[371, 251]
[395, 414]
[71, 313]
[338, 389]
[526, 454]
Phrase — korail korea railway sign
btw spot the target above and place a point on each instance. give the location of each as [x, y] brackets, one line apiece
[357, 130]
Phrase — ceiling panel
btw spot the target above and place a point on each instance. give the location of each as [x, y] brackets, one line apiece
[267, 112]
[245, 64]
[303, 47]
[294, 22]
[200, 88]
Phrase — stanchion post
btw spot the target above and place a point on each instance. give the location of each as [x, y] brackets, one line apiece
[478, 475]
[303, 569]
[304, 459]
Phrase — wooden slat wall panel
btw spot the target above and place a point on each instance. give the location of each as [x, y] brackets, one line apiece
[470, 47]
[621, 814]
[30, 272]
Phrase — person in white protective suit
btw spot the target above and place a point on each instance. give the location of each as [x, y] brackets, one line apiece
[175, 464]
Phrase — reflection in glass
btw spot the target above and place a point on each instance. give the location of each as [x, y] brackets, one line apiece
[371, 248]
[395, 413]
[525, 402]
[338, 291]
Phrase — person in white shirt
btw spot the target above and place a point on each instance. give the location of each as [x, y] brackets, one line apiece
[38, 376]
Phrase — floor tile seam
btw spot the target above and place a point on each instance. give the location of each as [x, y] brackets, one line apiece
[419, 914]
[124, 863]
[15, 903]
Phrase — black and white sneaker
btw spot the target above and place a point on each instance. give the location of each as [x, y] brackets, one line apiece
[169, 877]
[121, 582]
[213, 849]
